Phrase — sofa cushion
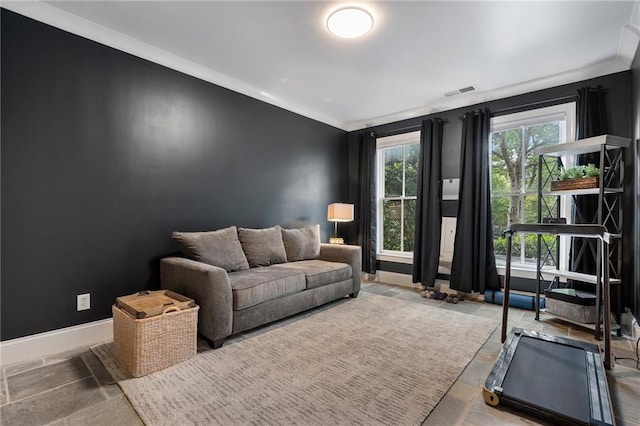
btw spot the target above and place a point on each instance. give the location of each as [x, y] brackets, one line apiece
[258, 285]
[319, 272]
[218, 248]
[301, 243]
[263, 247]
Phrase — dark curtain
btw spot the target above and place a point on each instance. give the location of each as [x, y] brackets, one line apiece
[473, 268]
[426, 249]
[591, 120]
[367, 201]
[591, 117]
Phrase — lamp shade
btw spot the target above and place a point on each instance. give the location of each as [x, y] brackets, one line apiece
[340, 212]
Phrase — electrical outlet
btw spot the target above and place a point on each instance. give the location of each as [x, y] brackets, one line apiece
[84, 301]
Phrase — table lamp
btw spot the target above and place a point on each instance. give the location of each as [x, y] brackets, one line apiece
[339, 212]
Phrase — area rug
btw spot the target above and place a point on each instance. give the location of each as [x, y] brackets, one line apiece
[373, 360]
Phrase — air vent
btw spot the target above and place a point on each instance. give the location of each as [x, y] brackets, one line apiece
[459, 91]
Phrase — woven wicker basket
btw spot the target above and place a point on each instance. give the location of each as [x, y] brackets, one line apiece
[144, 346]
[579, 183]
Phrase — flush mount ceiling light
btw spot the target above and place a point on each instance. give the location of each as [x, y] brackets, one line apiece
[350, 22]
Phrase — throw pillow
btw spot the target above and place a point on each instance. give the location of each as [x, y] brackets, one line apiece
[263, 247]
[218, 248]
[302, 243]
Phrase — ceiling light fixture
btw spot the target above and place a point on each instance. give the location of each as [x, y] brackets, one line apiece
[350, 22]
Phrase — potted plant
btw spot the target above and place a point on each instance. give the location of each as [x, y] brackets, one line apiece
[577, 177]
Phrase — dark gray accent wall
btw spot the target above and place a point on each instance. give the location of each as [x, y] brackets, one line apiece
[635, 154]
[105, 154]
[618, 102]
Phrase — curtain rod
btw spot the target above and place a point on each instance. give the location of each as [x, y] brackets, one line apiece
[534, 104]
[413, 128]
[407, 129]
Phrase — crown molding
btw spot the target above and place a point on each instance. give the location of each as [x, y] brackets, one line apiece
[627, 48]
[479, 96]
[630, 37]
[90, 30]
[628, 44]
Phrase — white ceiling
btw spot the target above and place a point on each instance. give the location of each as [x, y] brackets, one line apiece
[280, 51]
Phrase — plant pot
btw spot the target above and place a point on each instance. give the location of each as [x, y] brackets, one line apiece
[579, 183]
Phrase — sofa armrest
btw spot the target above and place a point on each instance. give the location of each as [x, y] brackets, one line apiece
[345, 254]
[209, 286]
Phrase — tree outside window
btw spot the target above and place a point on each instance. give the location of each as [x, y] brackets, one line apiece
[397, 199]
[514, 177]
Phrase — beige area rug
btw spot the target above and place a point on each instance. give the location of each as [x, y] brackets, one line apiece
[373, 360]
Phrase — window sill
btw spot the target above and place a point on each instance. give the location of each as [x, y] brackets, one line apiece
[516, 271]
[519, 271]
[397, 258]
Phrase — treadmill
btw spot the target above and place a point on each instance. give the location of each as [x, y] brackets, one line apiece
[558, 379]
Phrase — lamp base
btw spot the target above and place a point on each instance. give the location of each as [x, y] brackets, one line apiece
[336, 240]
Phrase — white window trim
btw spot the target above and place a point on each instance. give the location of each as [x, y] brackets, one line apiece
[528, 118]
[537, 116]
[396, 257]
[398, 140]
[383, 143]
[519, 270]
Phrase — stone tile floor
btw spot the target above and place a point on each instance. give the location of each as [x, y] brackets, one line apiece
[73, 388]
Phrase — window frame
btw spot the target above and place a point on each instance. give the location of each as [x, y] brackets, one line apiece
[524, 119]
[402, 139]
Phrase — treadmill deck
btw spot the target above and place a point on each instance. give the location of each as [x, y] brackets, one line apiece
[556, 378]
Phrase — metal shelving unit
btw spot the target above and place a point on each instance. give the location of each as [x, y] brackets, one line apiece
[603, 287]
[609, 215]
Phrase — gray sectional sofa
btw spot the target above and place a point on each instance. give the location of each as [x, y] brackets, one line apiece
[243, 278]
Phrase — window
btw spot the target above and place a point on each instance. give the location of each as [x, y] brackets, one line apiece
[514, 175]
[397, 183]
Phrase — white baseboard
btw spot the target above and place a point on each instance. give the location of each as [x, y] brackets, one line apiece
[404, 280]
[396, 278]
[56, 341]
